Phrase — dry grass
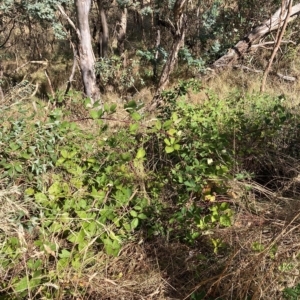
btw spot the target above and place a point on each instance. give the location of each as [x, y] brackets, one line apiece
[12, 205]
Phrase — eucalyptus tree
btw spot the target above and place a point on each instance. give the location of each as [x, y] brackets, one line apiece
[85, 49]
[45, 13]
[104, 31]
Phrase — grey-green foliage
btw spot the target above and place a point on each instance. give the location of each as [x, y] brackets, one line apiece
[124, 3]
[197, 63]
[44, 11]
[212, 30]
[146, 11]
[171, 3]
[6, 5]
[209, 18]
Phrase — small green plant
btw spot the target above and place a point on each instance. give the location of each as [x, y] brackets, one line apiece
[258, 247]
[292, 293]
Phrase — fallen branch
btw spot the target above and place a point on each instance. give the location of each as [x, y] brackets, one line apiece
[285, 77]
[38, 62]
[255, 35]
[281, 76]
[262, 45]
[279, 37]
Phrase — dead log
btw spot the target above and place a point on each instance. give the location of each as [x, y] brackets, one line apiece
[244, 45]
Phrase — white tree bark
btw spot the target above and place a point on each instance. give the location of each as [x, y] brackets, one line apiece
[85, 50]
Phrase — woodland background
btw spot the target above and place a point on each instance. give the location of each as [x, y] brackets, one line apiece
[149, 149]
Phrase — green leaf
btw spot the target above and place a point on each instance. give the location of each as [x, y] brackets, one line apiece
[158, 125]
[63, 263]
[41, 198]
[34, 264]
[256, 246]
[172, 131]
[141, 153]
[94, 114]
[25, 155]
[36, 280]
[127, 227]
[29, 192]
[126, 156]
[99, 195]
[142, 216]
[77, 238]
[64, 153]
[14, 146]
[133, 213]
[133, 128]
[136, 116]
[224, 206]
[111, 247]
[113, 108]
[22, 285]
[134, 223]
[18, 168]
[56, 227]
[82, 214]
[167, 124]
[55, 189]
[225, 221]
[72, 154]
[176, 147]
[214, 218]
[65, 254]
[137, 207]
[169, 149]
[131, 105]
[167, 142]
[106, 107]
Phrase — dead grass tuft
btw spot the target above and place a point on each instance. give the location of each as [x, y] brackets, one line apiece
[12, 206]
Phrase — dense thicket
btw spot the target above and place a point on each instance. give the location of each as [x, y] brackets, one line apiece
[141, 157]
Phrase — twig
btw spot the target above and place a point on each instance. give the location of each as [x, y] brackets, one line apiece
[73, 69]
[270, 43]
[39, 62]
[62, 11]
[9, 34]
[279, 37]
[50, 84]
[285, 77]
[283, 233]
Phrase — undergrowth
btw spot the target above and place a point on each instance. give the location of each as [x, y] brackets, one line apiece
[75, 193]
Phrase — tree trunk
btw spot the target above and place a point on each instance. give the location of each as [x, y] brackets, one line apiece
[1, 92]
[121, 30]
[157, 45]
[178, 41]
[103, 32]
[85, 50]
[243, 46]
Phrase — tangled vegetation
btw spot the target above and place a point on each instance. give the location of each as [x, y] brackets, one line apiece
[77, 192]
[143, 155]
